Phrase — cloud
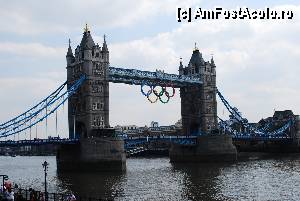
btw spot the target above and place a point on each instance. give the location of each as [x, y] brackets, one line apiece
[251, 58]
[31, 49]
[36, 17]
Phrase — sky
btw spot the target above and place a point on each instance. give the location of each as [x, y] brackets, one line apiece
[257, 60]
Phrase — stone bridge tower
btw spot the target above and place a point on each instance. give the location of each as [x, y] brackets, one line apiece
[199, 116]
[198, 103]
[88, 113]
[89, 108]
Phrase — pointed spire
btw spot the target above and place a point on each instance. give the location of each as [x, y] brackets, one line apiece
[70, 53]
[87, 41]
[212, 60]
[180, 63]
[196, 47]
[196, 59]
[180, 67]
[86, 28]
[104, 47]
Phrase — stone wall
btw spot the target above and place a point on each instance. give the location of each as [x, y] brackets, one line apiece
[93, 154]
[209, 148]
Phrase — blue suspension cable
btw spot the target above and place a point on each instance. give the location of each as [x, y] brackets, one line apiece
[15, 120]
[62, 97]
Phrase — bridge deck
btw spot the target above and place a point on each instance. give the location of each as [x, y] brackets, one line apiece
[137, 77]
[134, 141]
[38, 142]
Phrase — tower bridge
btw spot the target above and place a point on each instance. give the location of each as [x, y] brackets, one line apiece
[92, 143]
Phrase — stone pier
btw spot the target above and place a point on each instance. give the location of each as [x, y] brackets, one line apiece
[94, 154]
[209, 148]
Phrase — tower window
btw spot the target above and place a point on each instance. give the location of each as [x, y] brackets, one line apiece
[97, 106]
[98, 121]
[97, 88]
[98, 70]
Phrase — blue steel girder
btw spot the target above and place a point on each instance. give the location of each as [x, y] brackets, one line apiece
[12, 143]
[137, 77]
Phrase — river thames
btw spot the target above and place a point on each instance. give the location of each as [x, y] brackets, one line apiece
[275, 178]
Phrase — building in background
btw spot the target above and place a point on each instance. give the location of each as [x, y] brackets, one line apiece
[153, 130]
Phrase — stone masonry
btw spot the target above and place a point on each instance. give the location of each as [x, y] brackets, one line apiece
[198, 103]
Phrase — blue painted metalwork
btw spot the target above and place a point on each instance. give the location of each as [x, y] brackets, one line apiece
[128, 142]
[139, 141]
[232, 110]
[56, 99]
[137, 77]
[38, 142]
[253, 133]
[29, 113]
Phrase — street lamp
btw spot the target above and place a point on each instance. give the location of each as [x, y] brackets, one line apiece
[45, 166]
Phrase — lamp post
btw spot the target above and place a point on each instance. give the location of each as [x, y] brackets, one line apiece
[45, 166]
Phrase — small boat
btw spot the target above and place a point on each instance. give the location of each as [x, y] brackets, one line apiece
[14, 155]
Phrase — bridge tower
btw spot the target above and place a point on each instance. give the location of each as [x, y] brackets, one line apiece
[88, 111]
[199, 116]
[89, 107]
[198, 103]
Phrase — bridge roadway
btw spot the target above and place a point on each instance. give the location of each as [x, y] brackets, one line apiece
[138, 77]
[140, 140]
[38, 142]
[127, 141]
[262, 138]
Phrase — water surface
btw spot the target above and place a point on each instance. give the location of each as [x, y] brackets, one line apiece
[276, 178]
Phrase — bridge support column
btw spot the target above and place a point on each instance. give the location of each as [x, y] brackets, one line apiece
[209, 148]
[93, 154]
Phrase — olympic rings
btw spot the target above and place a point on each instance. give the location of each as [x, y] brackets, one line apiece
[167, 95]
[158, 93]
[149, 91]
[173, 92]
[152, 101]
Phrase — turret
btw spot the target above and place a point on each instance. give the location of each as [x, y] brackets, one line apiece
[86, 44]
[196, 58]
[180, 67]
[212, 62]
[105, 52]
[70, 57]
